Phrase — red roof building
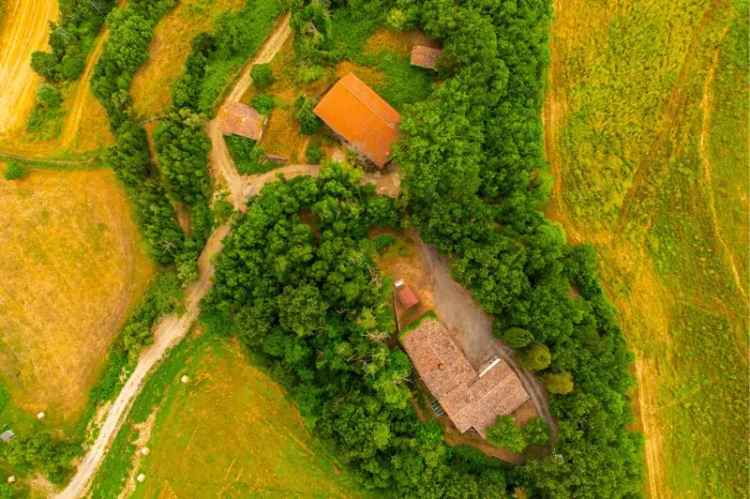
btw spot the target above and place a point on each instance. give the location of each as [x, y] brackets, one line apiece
[472, 399]
[361, 117]
[425, 57]
[406, 296]
[240, 119]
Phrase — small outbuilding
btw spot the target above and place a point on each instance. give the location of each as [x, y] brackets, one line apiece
[240, 119]
[362, 118]
[406, 296]
[425, 57]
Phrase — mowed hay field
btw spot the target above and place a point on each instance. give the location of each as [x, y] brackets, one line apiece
[647, 136]
[152, 85]
[231, 432]
[72, 268]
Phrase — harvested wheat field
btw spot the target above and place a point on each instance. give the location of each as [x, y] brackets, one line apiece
[73, 266]
[25, 27]
[151, 88]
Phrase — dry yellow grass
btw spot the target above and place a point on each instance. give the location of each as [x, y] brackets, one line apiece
[73, 266]
[169, 49]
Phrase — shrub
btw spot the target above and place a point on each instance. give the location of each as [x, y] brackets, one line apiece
[48, 96]
[536, 432]
[504, 433]
[309, 73]
[383, 241]
[262, 76]
[14, 171]
[515, 337]
[536, 357]
[303, 112]
[559, 383]
[263, 103]
[313, 153]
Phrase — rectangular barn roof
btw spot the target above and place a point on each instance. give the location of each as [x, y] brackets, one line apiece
[240, 119]
[359, 115]
[470, 399]
[425, 57]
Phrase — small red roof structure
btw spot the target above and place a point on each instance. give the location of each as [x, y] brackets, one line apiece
[361, 117]
[471, 399]
[240, 119]
[425, 57]
[406, 296]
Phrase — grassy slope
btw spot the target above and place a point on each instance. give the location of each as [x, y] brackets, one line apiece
[151, 88]
[647, 132]
[73, 266]
[229, 431]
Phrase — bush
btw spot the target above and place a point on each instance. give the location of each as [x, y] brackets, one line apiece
[309, 73]
[383, 242]
[536, 357]
[536, 432]
[247, 155]
[263, 103]
[303, 112]
[14, 171]
[505, 434]
[515, 337]
[559, 383]
[313, 153]
[262, 76]
[48, 96]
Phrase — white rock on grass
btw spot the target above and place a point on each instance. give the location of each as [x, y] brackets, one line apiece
[185, 379]
[141, 477]
[12, 479]
[145, 451]
[40, 415]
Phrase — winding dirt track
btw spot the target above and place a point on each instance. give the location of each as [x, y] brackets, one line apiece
[172, 329]
[25, 29]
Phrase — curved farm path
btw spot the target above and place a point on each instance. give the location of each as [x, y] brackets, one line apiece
[172, 329]
[24, 30]
[73, 120]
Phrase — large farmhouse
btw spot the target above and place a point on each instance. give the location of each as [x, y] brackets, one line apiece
[471, 398]
[361, 117]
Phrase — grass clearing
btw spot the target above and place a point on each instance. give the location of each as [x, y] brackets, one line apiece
[151, 87]
[653, 171]
[229, 432]
[73, 266]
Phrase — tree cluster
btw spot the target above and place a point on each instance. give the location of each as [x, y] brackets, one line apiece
[474, 183]
[71, 39]
[298, 279]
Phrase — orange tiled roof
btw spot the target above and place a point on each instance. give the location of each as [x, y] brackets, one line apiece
[240, 119]
[354, 111]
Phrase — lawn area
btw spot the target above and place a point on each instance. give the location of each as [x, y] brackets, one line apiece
[151, 87]
[73, 267]
[229, 432]
[668, 215]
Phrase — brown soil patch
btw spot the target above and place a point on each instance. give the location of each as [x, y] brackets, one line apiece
[152, 85]
[73, 266]
[370, 76]
[398, 42]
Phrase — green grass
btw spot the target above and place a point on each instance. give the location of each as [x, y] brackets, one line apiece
[256, 23]
[636, 181]
[230, 430]
[248, 157]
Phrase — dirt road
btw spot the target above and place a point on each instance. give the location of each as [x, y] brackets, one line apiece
[24, 30]
[458, 310]
[82, 93]
[220, 159]
[172, 329]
